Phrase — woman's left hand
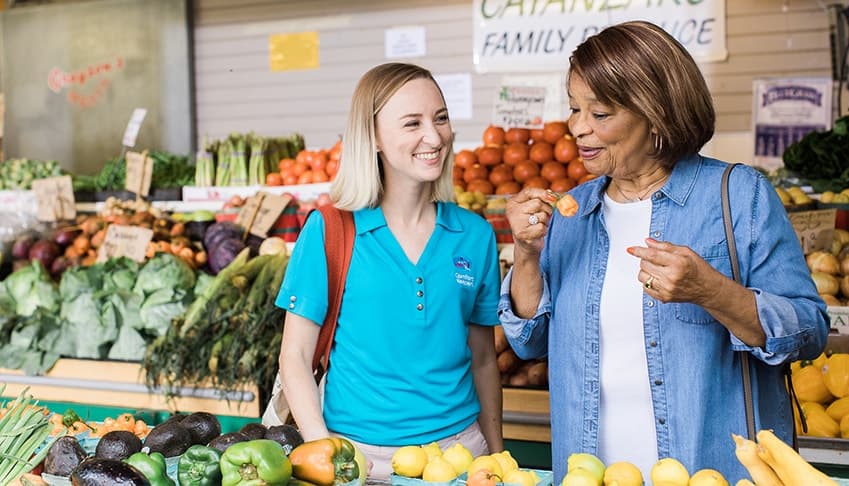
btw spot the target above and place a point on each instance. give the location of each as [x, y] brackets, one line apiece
[672, 273]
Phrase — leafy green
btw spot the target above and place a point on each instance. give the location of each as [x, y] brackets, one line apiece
[31, 287]
[822, 158]
[169, 171]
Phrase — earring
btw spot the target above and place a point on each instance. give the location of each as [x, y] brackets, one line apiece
[658, 143]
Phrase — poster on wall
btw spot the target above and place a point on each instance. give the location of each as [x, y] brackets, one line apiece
[521, 36]
[784, 110]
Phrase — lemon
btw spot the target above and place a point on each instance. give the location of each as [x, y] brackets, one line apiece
[362, 464]
[459, 457]
[486, 462]
[586, 461]
[409, 461]
[522, 478]
[623, 474]
[438, 470]
[708, 477]
[669, 472]
[506, 461]
[432, 449]
[580, 477]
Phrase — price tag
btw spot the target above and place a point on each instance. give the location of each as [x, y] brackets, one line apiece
[261, 211]
[139, 173]
[128, 241]
[814, 229]
[839, 317]
[520, 107]
[55, 198]
[133, 127]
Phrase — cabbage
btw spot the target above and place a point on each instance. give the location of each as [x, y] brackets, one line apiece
[30, 287]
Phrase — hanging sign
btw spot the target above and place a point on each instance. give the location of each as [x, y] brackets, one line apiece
[139, 173]
[55, 198]
[133, 127]
[260, 212]
[128, 241]
[527, 35]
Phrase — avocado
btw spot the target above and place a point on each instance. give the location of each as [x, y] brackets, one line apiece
[175, 417]
[223, 441]
[254, 430]
[118, 444]
[285, 435]
[96, 471]
[203, 426]
[169, 438]
[63, 456]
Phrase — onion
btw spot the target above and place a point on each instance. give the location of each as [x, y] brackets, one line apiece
[844, 285]
[841, 235]
[844, 266]
[830, 299]
[823, 261]
[826, 283]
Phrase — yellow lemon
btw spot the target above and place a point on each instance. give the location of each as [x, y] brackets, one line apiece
[708, 477]
[669, 472]
[486, 462]
[519, 477]
[623, 474]
[432, 449]
[580, 477]
[362, 464]
[586, 461]
[506, 461]
[438, 470]
[409, 461]
[459, 457]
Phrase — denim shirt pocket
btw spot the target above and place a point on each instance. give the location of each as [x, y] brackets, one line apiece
[717, 256]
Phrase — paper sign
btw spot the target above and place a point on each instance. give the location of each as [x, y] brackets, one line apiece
[839, 317]
[133, 127]
[457, 90]
[55, 198]
[128, 241]
[289, 52]
[404, 42]
[519, 106]
[814, 229]
[139, 173]
[261, 211]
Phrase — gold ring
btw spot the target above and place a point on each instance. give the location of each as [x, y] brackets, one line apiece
[649, 282]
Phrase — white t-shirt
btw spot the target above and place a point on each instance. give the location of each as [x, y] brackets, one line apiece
[626, 420]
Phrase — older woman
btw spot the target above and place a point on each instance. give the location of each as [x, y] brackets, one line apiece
[632, 298]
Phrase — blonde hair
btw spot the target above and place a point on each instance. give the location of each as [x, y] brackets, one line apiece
[359, 182]
[639, 66]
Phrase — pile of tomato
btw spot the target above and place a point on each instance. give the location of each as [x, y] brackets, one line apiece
[512, 159]
[308, 167]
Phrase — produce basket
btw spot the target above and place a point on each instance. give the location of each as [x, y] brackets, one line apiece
[397, 480]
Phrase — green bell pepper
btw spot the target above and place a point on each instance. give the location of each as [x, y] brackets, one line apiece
[199, 466]
[152, 466]
[260, 462]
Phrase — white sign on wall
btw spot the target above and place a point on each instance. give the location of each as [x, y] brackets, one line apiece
[785, 110]
[529, 35]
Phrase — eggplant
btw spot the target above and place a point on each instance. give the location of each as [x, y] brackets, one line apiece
[95, 471]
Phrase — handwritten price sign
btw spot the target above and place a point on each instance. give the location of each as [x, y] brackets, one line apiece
[139, 173]
[128, 241]
[55, 198]
[814, 229]
[520, 107]
[261, 211]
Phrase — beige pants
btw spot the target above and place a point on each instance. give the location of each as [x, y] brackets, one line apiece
[381, 457]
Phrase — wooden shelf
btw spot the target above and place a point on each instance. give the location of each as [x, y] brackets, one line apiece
[121, 384]
[526, 415]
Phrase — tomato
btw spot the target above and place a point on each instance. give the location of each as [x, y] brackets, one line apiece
[474, 172]
[553, 170]
[565, 149]
[489, 156]
[541, 152]
[525, 170]
[480, 185]
[465, 159]
[273, 179]
[576, 170]
[520, 135]
[554, 131]
[493, 135]
[515, 152]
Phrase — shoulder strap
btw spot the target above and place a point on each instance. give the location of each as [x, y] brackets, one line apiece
[338, 246]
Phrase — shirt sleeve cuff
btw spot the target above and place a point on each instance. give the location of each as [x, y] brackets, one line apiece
[518, 329]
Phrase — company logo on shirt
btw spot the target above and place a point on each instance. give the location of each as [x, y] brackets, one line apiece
[461, 275]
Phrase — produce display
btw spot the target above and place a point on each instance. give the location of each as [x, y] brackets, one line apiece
[822, 386]
[830, 269]
[169, 171]
[820, 157]
[18, 174]
[515, 371]
[307, 167]
[243, 159]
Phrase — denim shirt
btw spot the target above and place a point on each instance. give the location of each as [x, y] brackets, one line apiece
[694, 370]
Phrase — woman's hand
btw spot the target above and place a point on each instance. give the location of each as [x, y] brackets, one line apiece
[528, 213]
[672, 273]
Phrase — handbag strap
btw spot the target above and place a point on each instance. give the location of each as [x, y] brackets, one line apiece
[748, 399]
[338, 246]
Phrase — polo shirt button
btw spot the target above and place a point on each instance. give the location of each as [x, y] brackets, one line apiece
[653, 344]
[661, 420]
[419, 280]
[292, 306]
[292, 298]
[419, 307]
[419, 293]
[658, 382]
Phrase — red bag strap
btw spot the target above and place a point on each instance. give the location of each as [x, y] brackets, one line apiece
[338, 245]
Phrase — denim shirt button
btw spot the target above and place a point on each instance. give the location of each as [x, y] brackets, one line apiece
[661, 420]
[658, 382]
[651, 303]
[653, 344]
[656, 234]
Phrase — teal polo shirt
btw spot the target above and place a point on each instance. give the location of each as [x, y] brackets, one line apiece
[400, 369]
